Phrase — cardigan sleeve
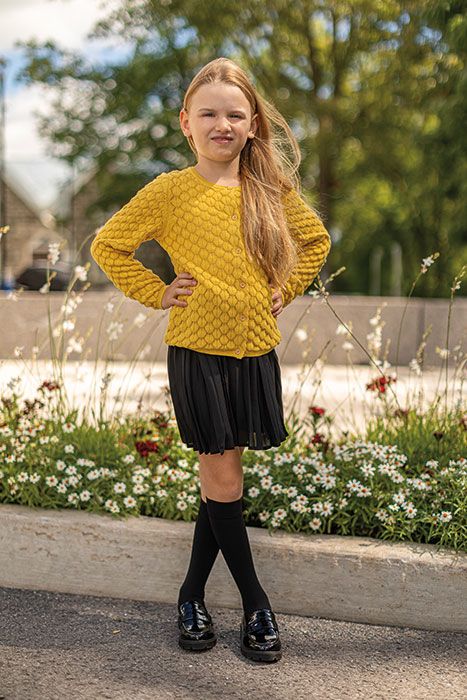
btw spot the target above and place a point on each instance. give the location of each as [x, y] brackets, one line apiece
[115, 243]
[314, 244]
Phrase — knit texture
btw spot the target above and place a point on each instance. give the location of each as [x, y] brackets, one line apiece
[198, 223]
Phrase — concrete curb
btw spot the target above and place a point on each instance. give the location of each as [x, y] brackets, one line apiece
[356, 579]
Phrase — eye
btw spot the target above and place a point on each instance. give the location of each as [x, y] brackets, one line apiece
[210, 114]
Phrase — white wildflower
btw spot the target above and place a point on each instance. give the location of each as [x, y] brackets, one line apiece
[81, 273]
[410, 510]
[445, 516]
[426, 262]
[53, 253]
[140, 320]
[301, 334]
[415, 367]
[114, 329]
[68, 324]
[74, 345]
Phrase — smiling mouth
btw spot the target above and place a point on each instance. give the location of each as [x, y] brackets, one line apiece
[222, 139]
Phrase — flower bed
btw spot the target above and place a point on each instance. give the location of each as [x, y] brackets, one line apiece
[139, 466]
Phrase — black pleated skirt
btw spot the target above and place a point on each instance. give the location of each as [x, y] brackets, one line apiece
[222, 402]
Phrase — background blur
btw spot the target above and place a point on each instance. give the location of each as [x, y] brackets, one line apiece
[376, 93]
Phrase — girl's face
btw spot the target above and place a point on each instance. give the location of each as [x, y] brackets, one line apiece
[219, 121]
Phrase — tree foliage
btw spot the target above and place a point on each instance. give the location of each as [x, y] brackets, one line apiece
[375, 90]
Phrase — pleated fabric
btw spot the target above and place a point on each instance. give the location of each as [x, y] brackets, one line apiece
[221, 402]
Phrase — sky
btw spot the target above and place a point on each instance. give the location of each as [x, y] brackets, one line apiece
[67, 22]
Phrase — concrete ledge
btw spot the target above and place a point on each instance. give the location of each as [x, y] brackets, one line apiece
[355, 579]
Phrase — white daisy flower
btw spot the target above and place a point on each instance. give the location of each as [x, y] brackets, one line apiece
[253, 492]
[445, 516]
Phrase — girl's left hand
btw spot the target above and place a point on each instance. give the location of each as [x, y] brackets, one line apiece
[277, 302]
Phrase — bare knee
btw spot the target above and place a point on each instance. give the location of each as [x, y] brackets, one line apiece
[221, 476]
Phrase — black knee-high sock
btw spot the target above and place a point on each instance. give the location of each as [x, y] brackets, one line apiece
[229, 529]
[203, 555]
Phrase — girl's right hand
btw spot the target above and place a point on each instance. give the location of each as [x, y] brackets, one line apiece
[180, 285]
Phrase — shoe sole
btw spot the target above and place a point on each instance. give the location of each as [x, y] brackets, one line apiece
[197, 644]
[258, 654]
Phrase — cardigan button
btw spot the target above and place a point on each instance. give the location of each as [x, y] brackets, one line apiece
[238, 250]
[242, 284]
[242, 317]
[234, 216]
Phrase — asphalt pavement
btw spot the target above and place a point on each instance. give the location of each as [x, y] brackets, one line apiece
[55, 646]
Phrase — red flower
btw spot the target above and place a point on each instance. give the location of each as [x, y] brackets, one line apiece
[51, 386]
[317, 438]
[317, 411]
[380, 384]
[145, 447]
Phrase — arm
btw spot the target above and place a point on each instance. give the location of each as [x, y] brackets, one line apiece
[114, 245]
[313, 240]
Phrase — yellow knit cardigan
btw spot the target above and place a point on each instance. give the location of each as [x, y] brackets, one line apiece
[198, 223]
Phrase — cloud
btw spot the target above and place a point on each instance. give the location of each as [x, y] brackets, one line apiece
[67, 22]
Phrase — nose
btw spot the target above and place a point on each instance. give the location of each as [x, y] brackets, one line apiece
[223, 124]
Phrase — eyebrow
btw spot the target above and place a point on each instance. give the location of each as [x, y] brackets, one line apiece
[211, 109]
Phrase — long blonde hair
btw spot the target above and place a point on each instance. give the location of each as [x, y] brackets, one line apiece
[266, 173]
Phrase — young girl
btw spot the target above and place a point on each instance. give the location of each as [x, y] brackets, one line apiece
[243, 244]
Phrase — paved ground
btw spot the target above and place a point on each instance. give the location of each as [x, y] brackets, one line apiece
[55, 646]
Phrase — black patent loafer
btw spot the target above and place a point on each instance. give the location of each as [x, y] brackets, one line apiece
[259, 636]
[196, 627]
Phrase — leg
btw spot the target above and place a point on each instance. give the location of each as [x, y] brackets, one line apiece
[222, 480]
[203, 496]
[203, 554]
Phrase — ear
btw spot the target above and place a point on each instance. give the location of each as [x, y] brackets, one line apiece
[184, 122]
[253, 127]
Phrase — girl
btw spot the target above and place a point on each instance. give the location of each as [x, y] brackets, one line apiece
[243, 244]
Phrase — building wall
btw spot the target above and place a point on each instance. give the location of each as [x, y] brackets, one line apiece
[26, 233]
